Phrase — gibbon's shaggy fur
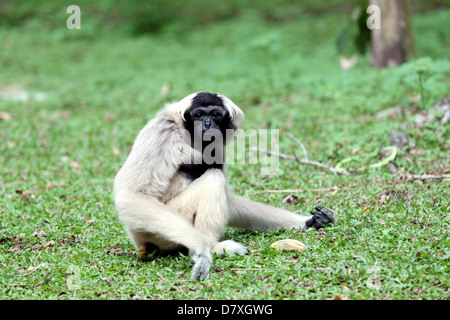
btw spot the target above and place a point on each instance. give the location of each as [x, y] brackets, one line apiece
[162, 205]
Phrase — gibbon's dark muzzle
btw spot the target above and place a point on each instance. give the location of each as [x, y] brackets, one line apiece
[206, 124]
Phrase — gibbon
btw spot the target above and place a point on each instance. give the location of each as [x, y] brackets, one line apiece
[168, 193]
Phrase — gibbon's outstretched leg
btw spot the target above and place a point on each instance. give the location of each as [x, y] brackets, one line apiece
[247, 214]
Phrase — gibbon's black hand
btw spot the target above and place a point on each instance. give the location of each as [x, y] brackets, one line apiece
[321, 217]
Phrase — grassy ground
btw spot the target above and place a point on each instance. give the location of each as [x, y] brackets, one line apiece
[59, 234]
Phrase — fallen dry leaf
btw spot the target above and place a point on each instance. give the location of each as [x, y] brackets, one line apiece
[50, 185]
[110, 117]
[340, 297]
[165, 89]
[64, 114]
[15, 249]
[289, 121]
[290, 200]
[115, 250]
[415, 99]
[17, 240]
[5, 116]
[49, 244]
[74, 164]
[17, 284]
[36, 267]
[19, 93]
[417, 151]
[26, 194]
[288, 244]
[38, 233]
[334, 190]
[31, 269]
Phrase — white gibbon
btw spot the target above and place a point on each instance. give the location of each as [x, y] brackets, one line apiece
[169, 195]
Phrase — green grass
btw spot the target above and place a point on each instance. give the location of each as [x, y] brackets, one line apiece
[58, 158]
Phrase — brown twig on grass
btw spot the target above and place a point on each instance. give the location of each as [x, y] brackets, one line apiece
[305, 154]
[424, 176]
[176, 287]
[270, 269]
[331, 189]
[303, 161]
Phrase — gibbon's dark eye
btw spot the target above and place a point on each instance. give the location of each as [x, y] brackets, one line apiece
[197, 116]
[217, 115]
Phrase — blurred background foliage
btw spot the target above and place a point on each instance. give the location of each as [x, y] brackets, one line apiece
[178, 16]
[252, 49]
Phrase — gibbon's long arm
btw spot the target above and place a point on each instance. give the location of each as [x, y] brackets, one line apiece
[157, 153]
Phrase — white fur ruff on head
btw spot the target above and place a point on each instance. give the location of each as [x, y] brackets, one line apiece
[184, 104]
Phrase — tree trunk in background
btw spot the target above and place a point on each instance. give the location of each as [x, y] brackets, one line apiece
[393, 44]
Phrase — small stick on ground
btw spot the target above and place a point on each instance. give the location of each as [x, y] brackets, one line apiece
[332, 189]
[303, 161]
[424, 176]
[305, 154]
[278, 269]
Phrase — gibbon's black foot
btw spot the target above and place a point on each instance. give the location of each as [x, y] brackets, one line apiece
[321, 217]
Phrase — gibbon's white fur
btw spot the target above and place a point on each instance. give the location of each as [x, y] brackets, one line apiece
[158, 203]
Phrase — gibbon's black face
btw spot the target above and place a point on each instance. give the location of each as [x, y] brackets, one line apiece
[207, 121]
[206, 114]
[208, 118]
